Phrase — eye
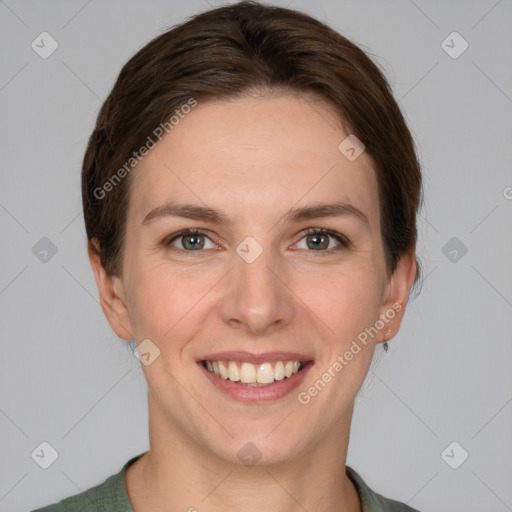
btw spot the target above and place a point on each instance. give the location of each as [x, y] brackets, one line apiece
[190, 240]
[323, 240]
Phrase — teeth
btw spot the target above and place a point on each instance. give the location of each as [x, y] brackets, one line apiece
[250, 374]
[233, 373]
[279, 371]
[265, 373]
[224, 372]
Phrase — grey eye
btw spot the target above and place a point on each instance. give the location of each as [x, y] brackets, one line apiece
[192, 241]
[317, 241]
[322, 240]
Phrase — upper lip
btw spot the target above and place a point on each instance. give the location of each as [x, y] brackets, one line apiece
[264, 357]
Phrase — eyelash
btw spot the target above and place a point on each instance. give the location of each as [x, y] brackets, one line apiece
[344, 242]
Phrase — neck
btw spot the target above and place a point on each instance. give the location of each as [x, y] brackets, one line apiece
[179, 472]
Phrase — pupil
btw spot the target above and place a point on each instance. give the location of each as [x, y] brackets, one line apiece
[319, 241]
[193, 242]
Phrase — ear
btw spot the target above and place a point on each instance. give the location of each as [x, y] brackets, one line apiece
[111, 292]
[396, 295]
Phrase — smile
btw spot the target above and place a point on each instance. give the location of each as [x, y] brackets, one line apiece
[255, 378]
[256, 375]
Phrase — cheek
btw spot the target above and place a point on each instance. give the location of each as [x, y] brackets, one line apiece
[347, 301]
[163, 303]
[153, 300]
[350, 306]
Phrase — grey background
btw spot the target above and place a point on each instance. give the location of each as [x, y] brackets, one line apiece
[65, 377]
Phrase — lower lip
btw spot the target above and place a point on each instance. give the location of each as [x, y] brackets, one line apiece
[278, 389]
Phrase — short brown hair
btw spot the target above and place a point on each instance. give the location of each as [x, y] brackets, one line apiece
[226, 52]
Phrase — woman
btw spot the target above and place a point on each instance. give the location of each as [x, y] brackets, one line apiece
[250, 194]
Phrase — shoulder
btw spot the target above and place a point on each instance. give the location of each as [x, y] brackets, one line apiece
[373, 502]
[109, 496]
[98, 498]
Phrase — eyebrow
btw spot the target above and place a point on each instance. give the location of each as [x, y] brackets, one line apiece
[188, 211]
[317, 211]
[205, 213]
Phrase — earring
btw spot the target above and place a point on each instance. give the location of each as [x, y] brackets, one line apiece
[385, 345]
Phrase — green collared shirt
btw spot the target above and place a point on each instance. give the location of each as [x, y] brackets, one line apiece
[111, 496]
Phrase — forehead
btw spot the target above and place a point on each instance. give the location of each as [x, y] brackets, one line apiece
[254, 156]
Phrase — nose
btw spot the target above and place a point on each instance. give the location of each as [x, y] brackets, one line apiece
[257, 298]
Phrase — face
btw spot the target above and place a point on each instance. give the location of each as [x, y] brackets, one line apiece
[252, 238]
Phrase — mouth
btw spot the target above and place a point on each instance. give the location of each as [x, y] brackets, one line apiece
[255, 378]
[254, 375]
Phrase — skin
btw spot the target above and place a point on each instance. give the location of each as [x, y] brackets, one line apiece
[252, 158]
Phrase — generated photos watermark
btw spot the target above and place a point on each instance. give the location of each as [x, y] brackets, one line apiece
[138, 156]
[304, 397]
